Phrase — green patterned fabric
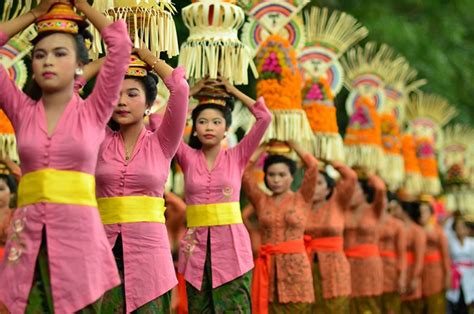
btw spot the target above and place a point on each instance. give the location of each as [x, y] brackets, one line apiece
[289, 308]
[435, 304]
[412, 307]
[40, 299]
[340, 305]
[391, 303]
[231, 297]
[114, 299]
[365, 305]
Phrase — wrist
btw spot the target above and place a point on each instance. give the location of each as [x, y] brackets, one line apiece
[35, 13]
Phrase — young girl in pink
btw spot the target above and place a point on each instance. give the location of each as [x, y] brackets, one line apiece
[57, 253]
[131, 173]
[215, 254]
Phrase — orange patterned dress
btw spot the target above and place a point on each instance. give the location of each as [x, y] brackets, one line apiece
[437, 262]
[361, 229]
[392, 246]
[326, 222]
[283, 221]
[416, 246]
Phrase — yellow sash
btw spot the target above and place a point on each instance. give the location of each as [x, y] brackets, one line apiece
[57, 186]
[114, 210]
[213, 214]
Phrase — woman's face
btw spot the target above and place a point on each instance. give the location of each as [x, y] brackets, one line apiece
[55, 62]
[461, 229]
[278, 178]
[210, 127]
[4, 194]
[322, 190]
[425, 214]
[132, 103]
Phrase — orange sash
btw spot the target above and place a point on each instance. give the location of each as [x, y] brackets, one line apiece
[410, 258]
[2, 252]
[434, 257]
[326, 244]
[363, 251]
[388, 254]
[261, 275]
[182, 297]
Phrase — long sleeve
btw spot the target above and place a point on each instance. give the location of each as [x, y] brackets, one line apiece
[250, 142]
[105, 94]
[379, 195]
[308, 185]
[12, 99]
[345, 187]
[182, 153]
[419, 252]
[401, 248]
[251, 188]
[172, 126]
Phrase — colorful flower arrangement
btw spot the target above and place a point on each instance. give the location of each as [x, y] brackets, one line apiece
[409, 154]
[280, 81]
[319, 107]
[390, 134]
[364, 125]
[426, 157]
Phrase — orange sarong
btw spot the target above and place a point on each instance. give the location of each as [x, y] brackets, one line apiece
[363, 251]
[261, 273]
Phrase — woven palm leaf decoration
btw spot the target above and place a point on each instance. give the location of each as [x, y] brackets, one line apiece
[148, 21]
[365, 81]
[328, 36]
[426, 115]
[213, 48]
[400, 82]
[279, 84]
[454, 159]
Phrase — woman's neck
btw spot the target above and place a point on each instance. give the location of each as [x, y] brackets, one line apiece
[131, 132]
[57, 99]
[461, 239]
[211, 151]
[318, 204]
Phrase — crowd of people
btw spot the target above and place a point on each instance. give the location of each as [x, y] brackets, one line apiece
[86, 225]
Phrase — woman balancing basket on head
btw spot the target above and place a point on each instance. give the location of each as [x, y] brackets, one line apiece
[215, 254]
[58, 253]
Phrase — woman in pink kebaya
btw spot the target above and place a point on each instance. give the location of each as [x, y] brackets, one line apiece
[57, 252]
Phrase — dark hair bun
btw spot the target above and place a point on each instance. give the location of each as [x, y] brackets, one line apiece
[154, 77]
